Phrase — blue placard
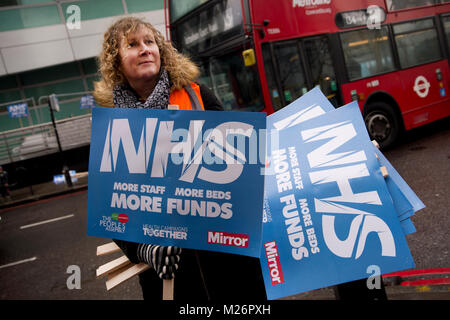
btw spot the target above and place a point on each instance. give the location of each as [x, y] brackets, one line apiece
[406, 202]
[310, 105]
[87, 102]
[314, 104]
[60, 178]
[328, 213]
[407, 226]
[186, 178]
[18, 110]
[406, 199]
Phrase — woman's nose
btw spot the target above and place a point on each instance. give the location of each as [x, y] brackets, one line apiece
[144, 49]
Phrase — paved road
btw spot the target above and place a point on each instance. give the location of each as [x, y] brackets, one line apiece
[45, 251]
[423, 160]
[55, 246]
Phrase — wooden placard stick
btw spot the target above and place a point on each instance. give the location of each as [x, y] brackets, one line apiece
[375, 143]
[126, 274]
[118, 271]
[121, 269]
[384, 171]
[121, 275]
[173, 107]
[107, 249]
[112, 266]
[168, 289]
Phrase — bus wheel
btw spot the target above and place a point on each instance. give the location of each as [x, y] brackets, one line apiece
[382, 123]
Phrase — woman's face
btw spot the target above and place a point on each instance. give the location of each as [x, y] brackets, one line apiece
[139, 54]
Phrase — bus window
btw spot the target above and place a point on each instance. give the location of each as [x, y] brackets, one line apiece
[205, 77]
[367, 52]
[405, 4]
[417, 42]
[446, 21]
[319, 61]
[179, 8]
[292, 76]
[277, 102]
[236, 85]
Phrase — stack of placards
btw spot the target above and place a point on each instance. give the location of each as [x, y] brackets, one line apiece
[319, 214]
[405, 201]
[330, 215]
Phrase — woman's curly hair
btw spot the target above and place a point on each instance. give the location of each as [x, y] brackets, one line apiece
[181, 69]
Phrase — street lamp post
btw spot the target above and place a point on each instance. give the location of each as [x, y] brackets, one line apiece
[54, 106]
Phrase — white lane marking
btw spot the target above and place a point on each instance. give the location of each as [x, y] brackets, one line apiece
[18, 262]
[46, 221]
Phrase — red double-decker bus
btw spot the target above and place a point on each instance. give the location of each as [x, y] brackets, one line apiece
[260, 55]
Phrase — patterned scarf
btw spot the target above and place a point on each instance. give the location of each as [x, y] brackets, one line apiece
[124, 96]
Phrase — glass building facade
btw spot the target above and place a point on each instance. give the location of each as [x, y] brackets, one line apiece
[44, 51]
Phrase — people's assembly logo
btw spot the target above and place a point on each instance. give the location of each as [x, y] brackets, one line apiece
[421, 86]
[121, 217]
[115, 222]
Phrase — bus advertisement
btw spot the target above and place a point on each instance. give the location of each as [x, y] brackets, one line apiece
[260, 55]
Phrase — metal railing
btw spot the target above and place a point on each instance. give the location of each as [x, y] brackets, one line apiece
[38, 140]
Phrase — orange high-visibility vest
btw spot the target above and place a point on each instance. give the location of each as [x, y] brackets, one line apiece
[188, 98]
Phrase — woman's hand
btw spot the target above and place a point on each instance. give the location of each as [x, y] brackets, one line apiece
[164, 260]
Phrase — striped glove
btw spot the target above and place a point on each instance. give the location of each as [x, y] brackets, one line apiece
[164, 260]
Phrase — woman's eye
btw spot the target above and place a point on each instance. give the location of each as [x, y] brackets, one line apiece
[131, 44]
[148, 41]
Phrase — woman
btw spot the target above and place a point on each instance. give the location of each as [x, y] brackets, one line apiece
[130, 65]
[141, 70]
